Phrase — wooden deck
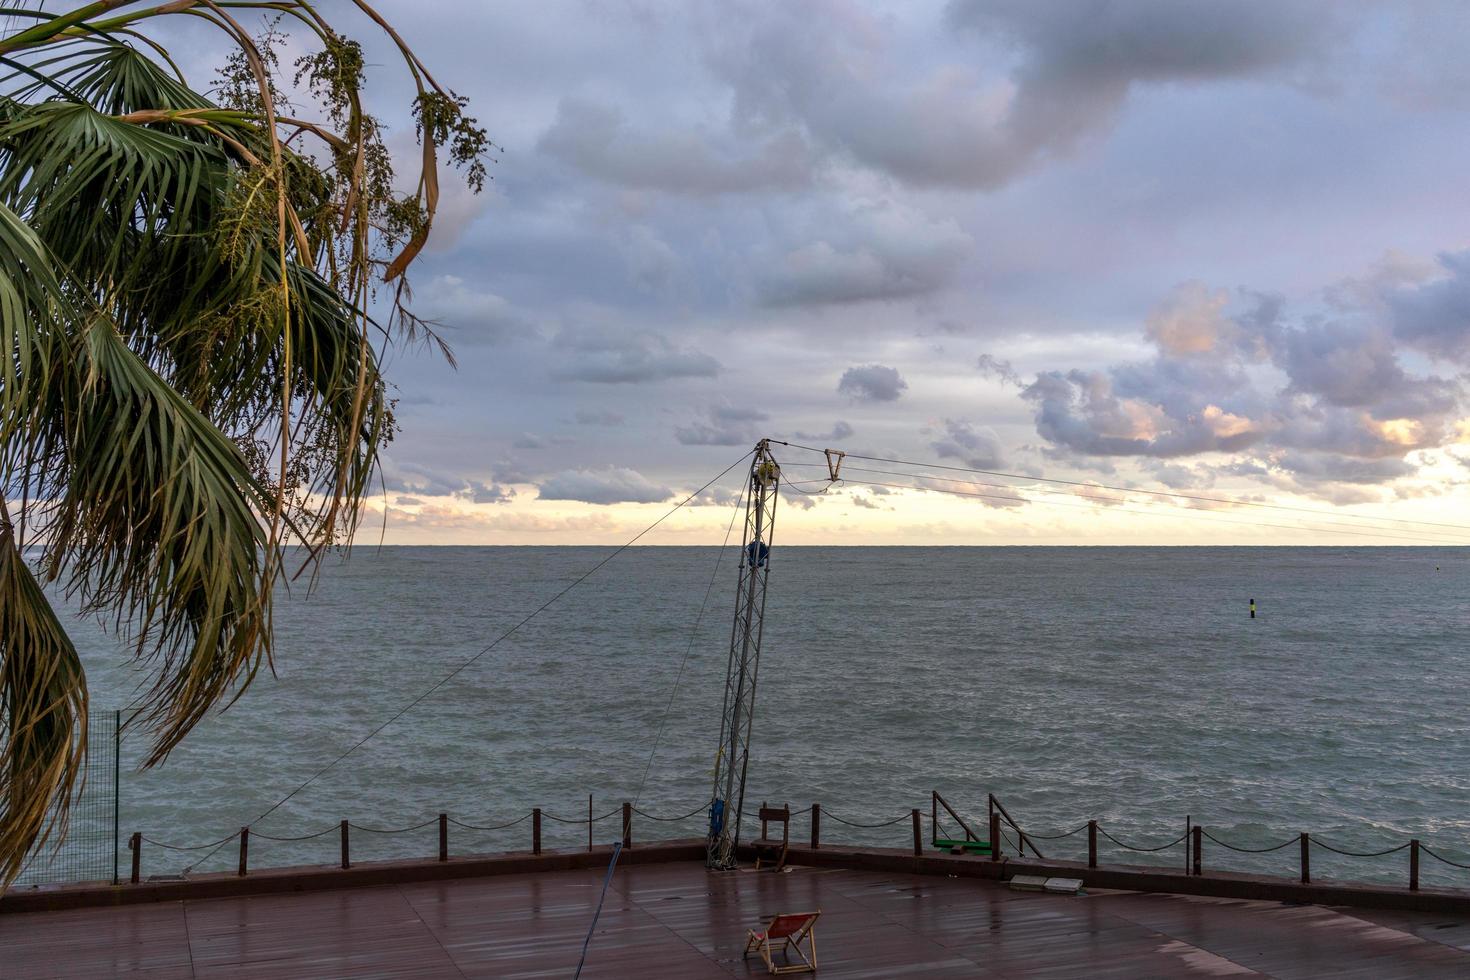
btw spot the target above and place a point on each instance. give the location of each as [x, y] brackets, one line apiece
[676, 920]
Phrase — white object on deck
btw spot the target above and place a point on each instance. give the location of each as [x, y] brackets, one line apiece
[1063, 886]
[1040, 883]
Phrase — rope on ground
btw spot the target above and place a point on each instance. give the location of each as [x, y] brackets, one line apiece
[1437, 857]
[185, 847]
[1142, 850]
[1357, 854]
[400, 830]
[865, 826]
[617, 849]
[1249, 850]
[500, 826]
[319, 833]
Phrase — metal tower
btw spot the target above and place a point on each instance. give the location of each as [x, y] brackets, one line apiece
[728, 797]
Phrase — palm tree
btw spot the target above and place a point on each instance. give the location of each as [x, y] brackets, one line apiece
[195, 295]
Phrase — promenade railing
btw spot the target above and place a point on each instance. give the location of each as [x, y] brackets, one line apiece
[1005, 837]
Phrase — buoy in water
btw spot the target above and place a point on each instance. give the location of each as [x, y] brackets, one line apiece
[1253, 609]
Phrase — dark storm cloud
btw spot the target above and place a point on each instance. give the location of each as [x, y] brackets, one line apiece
[613, 485]
[723, 425]
[613, 357]
[872, 383]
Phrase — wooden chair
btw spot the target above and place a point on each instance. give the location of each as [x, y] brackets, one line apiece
[768, 851]
[790, 931]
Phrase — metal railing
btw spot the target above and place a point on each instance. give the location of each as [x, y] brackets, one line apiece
[89, 851]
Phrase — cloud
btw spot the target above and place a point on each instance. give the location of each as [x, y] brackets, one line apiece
[722, 425]
[611, 357]
[613, 485]
[1320, 402]
[488, 493]
[1434, 316]
[844, 77]
[979, 448]
[993, 367]
[596, 139]
[421, 481]
[840, 431]
[872, 383]
[532, 440]
[466, 315]
[877, 251]
[586, 417]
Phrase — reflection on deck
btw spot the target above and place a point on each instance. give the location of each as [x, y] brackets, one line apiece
[676, 920]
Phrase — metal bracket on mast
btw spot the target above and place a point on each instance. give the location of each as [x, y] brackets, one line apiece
[728, 796]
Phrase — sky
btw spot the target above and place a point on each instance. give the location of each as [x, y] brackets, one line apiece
[1212, 249]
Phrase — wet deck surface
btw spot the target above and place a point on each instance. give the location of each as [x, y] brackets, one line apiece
[674, 920]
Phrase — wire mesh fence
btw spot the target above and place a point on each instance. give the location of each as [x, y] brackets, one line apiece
[89, 851]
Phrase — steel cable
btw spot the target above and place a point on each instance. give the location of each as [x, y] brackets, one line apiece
[195, 847]
[1142, 850]
[866, 826]
[1437, 857]
[1357, 854]
[502, 826]
[1249, 850]
[400, 830]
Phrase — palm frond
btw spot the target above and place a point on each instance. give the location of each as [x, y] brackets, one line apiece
[43, 714]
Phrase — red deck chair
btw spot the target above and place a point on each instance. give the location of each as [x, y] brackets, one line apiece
[785, 934]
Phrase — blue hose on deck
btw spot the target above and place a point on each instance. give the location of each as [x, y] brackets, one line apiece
[617, 849]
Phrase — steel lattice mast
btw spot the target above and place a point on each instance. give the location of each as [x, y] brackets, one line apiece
[728, 796]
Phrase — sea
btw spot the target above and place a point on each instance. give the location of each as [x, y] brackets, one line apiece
[1125, 685]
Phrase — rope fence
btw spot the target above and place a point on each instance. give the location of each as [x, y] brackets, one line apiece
[1193, 840]
[1006, 836]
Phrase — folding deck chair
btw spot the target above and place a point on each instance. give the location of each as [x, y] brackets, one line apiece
[789, 931]
[767, 850]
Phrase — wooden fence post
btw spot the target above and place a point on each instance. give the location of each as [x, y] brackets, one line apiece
[816, 826]
[1199, 837]
[135, 844]
[1414, 865]
[994, 836]
[918, 834]
[1092, 843]
[1306, 859]
[244, 849]
[444, 837]
[536, 830]
[627, 825]
[345, 862]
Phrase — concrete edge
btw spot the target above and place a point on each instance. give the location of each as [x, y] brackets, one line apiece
[1216, 884]
[324, 877]
[1213, 884]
